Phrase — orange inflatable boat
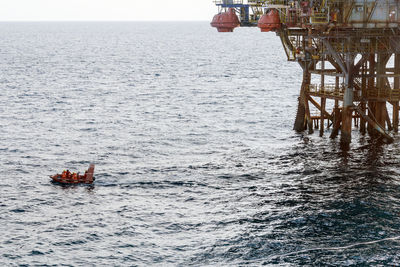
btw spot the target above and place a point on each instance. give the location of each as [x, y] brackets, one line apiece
[66, 177]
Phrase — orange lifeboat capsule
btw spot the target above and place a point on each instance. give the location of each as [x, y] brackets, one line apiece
[226, 21]
[270, 21]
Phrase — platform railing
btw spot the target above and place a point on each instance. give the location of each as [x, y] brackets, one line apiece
[228, 2]
[389, 95]
[320, 18]
[327, 89]
[371, 93]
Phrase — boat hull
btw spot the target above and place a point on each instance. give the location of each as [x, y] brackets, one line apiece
[81, 180]
[87, 178]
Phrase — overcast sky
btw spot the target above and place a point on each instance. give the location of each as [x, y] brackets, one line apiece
[42, 10]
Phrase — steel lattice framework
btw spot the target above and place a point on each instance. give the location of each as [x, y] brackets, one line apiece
[350, 54]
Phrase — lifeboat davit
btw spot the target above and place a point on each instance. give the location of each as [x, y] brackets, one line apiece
[270, 21]
[226, 21]
[75, 178]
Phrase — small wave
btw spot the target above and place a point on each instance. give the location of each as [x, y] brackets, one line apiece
[337, 248]
[36, 252]
[18, 210]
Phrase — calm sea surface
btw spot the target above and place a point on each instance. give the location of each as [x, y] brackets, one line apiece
[196, 160]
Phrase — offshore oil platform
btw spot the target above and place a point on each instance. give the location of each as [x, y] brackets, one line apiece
[349, 51]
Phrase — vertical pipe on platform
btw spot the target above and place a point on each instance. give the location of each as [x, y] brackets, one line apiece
[371, 89]
[347, 114]
[396, 87]
[308, 116]
[300, 122]
[336, 110]
[308, 58]
[380, 106]
[363, 122]
[396, 116]
[302, 116]
[323, 99]
[363, 93]
[322, 126]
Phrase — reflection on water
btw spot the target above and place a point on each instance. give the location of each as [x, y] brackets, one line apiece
[330, 206]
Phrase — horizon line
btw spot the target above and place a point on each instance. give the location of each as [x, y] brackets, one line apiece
[104, 21]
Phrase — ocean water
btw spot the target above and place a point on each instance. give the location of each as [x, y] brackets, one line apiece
[196, 160]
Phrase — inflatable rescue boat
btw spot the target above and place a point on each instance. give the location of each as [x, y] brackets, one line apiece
[66, 177]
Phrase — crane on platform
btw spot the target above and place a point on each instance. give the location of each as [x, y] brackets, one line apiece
[351, 47]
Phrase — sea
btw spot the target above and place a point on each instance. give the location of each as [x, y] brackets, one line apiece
[197, 163]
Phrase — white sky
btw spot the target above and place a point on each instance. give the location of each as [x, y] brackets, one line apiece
[44, 10]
